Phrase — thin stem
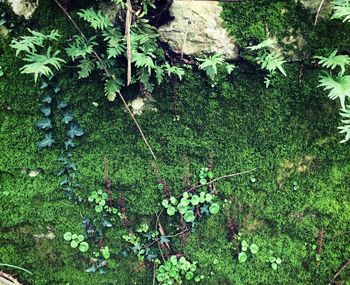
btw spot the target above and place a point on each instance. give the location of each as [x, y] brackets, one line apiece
[318, 12]
[128, 41]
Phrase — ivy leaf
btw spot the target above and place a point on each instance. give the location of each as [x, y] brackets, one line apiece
[61, 105]
[46, 142]
[67, 117]
[75, 131]
[44, 124]
[69, 143]
[47, 99]
[164, 239]
[46, 110]
[44, 85]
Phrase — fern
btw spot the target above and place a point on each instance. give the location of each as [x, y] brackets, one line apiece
[272, 62]
[86, 67]
[174, 70]
[334, 60]
[269, 43]
[112, 87]
[341, 10]
[143, 60]
[29, 44]
[39, 64]
[115, 40]
[81, 47]
[97, 20]
[346, 127]
[210, 64]
[339, 87]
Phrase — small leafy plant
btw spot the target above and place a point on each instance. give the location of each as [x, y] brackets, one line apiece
[269, 59]
[210, 65]
[274, 261]
[243, 255]
[338, 84]
[175, 269]
[76, 241]
[341, 9]
[100, 198]
[38, 63]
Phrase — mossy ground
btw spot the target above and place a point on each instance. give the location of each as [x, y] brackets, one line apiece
[287, 132]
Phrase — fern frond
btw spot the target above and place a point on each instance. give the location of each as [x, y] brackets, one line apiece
[97, 20]
[341, 10]
[81, 48]
[39, 64]
[269, 43]
[143, 60]
[112, 86]
[334, 60]
[345, 129]
[339, 87]
[174, 70]
[86, 67]
[29, 44]
[271, 62]
[210, 64]
[116, 43]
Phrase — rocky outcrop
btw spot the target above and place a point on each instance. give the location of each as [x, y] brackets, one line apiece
[313, 5]
[197, 29]
[24, 8]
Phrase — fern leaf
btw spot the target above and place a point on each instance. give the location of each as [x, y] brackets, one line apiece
[39, 64]
[174, 70]
[86, 66]
[112, 87]
[29, 44]
[269, 43]
[345, 129]
[97, 20]
[341, 9]
[339, 87]
[143, 60]
[271, 62]
[210, 64]
[115, 40]
[81, 48]
[334, 60]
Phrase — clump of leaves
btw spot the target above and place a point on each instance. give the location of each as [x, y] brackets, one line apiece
[76, 240]
[245, 249]
[210, 65]
[341, 9]
[38, 63]
[274, 261]
[269, 59]
[142, 240]
[100, 199]
[175, 270]
[148, 60]
[338, 84]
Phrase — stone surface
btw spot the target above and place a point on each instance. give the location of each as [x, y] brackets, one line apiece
[24, 8]
[315, 4]
[200, 23]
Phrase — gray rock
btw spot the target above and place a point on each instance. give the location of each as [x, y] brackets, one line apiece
[197, 29]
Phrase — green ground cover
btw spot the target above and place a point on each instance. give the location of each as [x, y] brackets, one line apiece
[287, 132]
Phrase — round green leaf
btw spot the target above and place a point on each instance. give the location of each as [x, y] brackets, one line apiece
[278, 260]
[185, 201]
[254, 248]
[214, 208]
[242, 257]
[104, 196]
[195, 200]
[274, 266]
[98, 209]
[73, 244]
[173, 201]
[189, 216]
[165, 203]
[74, 236]
[208, 197]
[185, 195]
[203, 181]
[171, 211]
[84, 246]
[189, 275]
[67, 236]
[80, 237]
[100, 192]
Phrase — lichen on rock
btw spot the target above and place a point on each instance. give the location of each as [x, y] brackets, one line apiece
[24, 8]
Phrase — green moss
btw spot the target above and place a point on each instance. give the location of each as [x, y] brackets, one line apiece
[287, 132]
